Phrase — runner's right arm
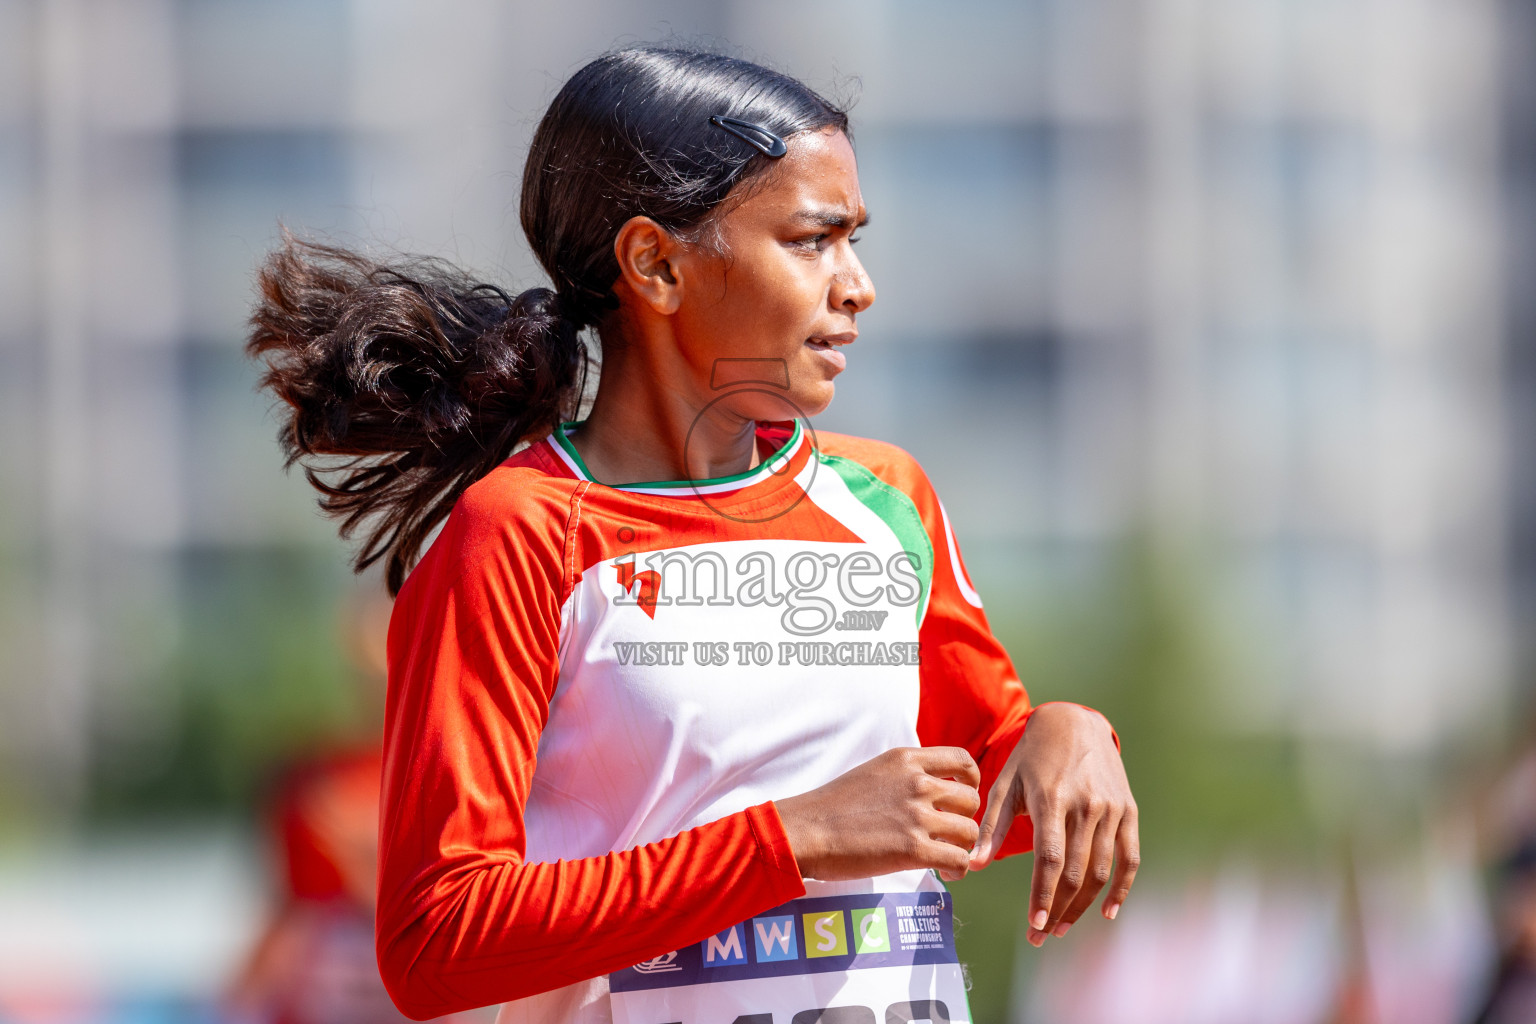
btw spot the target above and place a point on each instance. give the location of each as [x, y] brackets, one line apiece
[463, 921]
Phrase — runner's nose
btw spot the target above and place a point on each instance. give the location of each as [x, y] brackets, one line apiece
[852, 289]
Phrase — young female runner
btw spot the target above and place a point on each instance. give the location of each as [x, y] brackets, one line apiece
[687, 704]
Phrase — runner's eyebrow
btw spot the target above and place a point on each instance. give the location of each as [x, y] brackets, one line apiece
[831, 217]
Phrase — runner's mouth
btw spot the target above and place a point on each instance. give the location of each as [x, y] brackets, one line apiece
[830, 341]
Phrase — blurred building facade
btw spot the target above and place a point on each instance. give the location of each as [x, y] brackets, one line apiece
[1518, 164]
[1224, 271]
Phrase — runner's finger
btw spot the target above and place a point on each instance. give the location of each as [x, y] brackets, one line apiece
[1127, 862]
[1100, 862]
[994, 824]
[1050, 854]
[1081, 825]
[958, 798]
[949, 860]
[954, 829]
[950, 763]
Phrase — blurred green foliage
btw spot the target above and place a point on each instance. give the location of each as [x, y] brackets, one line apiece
[258, 677]
[1131, 633]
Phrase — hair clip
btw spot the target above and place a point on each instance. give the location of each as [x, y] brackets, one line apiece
[757, 136]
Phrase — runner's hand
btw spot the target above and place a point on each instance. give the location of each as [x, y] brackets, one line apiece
[907, 808]
[1067, 776]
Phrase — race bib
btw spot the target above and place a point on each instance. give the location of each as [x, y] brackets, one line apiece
[872, 958]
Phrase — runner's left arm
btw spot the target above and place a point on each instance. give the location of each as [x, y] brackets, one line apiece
[971, 696]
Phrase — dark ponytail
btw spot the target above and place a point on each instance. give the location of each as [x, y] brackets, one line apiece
[407, 382]
[414, 381]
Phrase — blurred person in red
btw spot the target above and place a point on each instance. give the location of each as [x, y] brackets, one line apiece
[314, 962]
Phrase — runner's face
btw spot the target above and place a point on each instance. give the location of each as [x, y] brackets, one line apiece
[789, 288]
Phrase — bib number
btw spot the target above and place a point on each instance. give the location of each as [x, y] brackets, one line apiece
[927, 1011]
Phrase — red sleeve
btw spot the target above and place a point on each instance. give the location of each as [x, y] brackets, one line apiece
[971, 696]
[463, 921]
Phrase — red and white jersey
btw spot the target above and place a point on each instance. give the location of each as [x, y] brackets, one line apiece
[597, 692]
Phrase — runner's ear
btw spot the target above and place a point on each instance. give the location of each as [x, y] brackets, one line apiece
[646, 253]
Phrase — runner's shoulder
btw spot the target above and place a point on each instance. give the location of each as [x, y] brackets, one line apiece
[510, 521]
[891, 463]
[524, 500]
